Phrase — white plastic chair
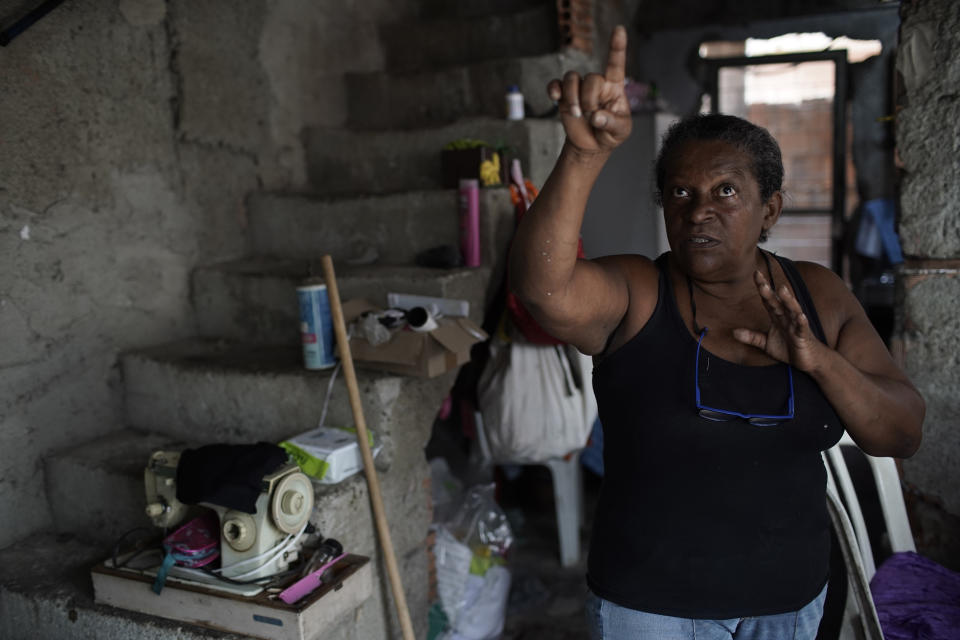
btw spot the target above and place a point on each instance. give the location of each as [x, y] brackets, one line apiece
[567, 493]
[860, 615]
[894, 511]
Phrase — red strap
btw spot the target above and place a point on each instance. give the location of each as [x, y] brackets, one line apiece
[529, 328]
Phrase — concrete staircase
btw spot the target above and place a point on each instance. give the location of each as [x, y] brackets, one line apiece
[375, 189]
[426, 97]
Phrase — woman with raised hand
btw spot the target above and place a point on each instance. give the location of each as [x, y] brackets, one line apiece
[721, 371]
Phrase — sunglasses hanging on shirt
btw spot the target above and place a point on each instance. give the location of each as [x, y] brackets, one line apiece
[723, 415]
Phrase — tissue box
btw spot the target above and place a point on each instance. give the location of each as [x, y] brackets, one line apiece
[424, 354]
[328, 454]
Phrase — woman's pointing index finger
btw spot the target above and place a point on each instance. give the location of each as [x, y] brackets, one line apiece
[617, 58]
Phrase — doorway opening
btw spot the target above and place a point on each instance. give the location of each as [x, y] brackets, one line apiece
[795, 86]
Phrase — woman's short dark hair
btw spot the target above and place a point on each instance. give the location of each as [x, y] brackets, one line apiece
[753, 140]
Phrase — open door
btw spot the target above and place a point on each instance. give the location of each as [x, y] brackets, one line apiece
[801, 100]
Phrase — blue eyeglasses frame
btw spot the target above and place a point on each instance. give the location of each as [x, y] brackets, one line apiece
[723, 415]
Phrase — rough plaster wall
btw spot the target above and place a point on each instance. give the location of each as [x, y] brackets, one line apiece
[305, 48]
[130, 133]
[933, 363]
[928, 138]
[93, 234]
[927, 132]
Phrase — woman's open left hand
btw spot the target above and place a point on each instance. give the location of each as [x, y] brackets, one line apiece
[789, 338]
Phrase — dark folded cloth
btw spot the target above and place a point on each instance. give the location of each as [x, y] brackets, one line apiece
[227, 475]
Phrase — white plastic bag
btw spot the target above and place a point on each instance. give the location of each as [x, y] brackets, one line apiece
[470, 552]
[484, 610]
[453, 568]
[536, 401]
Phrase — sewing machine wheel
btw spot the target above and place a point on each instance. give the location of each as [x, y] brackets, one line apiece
[292, 502]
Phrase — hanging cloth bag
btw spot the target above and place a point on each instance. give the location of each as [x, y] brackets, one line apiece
[534, 392]
[535, 400]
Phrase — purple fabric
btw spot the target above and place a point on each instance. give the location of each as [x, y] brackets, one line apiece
[916, 599]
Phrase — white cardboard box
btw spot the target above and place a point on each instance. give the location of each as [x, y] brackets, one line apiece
[327, 454]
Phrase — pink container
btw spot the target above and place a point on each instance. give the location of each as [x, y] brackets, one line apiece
[470, 222]
[196, 543]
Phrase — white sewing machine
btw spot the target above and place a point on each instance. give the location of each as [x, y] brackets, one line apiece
[252, 546]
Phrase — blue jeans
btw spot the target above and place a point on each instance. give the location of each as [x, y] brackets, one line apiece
[608, 621]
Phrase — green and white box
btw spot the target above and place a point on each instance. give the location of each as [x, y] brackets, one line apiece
[328, 454]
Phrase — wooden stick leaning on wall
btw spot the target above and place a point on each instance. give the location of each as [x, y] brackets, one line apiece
[376, 499]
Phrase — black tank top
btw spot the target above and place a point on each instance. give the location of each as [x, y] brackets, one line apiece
[702, 519]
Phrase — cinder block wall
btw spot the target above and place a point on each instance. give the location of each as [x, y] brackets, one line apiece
[130, 133]
[928, 141]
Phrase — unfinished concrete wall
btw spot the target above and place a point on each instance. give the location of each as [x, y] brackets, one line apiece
[928, 141]
[130, 133]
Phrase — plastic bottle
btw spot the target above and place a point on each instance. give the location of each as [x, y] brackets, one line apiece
[514, 103]
[470, 222]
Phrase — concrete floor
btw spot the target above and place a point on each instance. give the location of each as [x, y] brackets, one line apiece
[546, 600]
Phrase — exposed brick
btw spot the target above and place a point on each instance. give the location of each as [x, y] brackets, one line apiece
[575, 24]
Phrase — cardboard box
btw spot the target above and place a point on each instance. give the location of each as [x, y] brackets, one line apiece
[328, 454]
[424, 354]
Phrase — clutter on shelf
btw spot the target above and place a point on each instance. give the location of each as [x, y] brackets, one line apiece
[406, 341]
[261, 500]
[241, 538]
[468, 158]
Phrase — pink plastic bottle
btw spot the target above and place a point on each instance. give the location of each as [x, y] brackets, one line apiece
[470, 222]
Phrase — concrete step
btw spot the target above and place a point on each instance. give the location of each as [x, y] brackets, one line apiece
[220, 391]
[344, 162]
[96, 488]
[397, 227]
[388, 100]
[46, 593]
[436, 43]
[255, 300]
